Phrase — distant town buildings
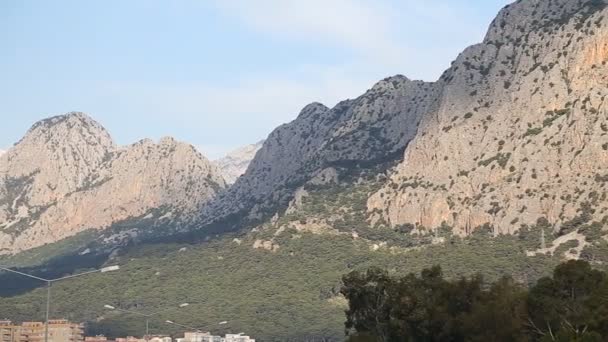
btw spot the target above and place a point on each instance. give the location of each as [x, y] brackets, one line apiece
[237, 338]
[199, 337]
[98, 338]
[130, 339]
[8, 332]
[60, 330]
[207, 337]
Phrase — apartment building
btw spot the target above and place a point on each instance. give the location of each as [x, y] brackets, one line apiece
[199, 336]
[159, 339]
[237, 338]
[130, 339]
[9, 332]
[98, 338]
[60, 330]
[207, 337]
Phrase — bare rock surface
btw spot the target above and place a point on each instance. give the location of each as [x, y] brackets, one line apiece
[516, 130]
[520, 129]
[66, 176]
[235, 163]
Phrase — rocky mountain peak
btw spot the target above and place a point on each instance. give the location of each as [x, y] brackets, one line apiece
[484, 145]
[522, 17]
[312, 109]
[516, 115]
[390, 83]
[235, 163]
[72, 123]
[66, 176]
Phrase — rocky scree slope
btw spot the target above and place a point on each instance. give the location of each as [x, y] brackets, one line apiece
[66, 176]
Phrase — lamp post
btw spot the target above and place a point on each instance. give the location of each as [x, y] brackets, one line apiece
[49, 282]
[146, 315]
[185, 326]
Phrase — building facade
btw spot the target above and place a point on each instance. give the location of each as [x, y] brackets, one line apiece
[237, 338]
[98, 338]
[9, 332]
[60, 330]
[207, 337]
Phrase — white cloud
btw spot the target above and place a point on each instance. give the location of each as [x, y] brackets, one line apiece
[365, 27]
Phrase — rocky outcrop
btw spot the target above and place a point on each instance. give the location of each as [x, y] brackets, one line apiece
[373, 128]
[67, 176]
[235, 163]
[514, 131]
[521, 129]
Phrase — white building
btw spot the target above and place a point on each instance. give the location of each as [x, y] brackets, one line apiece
[200, 337]
[207, 337]
[160, 339]
[237, 338]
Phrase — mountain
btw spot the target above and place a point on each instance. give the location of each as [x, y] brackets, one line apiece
[512, 134]
[519, 133]
[67, 176]
[235, 163]
[372, 129]
[498, 167]
[2, 152]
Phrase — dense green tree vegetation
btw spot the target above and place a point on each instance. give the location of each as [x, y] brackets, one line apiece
[291, 294]
[570, 305]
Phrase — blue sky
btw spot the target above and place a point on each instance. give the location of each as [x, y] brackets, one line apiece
[215, 73]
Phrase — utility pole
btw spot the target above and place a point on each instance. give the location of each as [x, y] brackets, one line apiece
[49, 283]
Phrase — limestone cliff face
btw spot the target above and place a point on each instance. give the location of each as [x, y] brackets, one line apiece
[235, 163]
[67, 175]
[515, 130]
[370, 129]
[520, 131]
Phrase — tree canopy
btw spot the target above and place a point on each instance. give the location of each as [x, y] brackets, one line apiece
[570, 305]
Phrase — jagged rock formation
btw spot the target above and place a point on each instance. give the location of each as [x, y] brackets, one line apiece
[519, 131]
[67, 175]
[514, 131]
[235, 163]
[370, 129]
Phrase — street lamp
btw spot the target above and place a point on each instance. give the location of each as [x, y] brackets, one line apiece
[49, 282]
[146, 315]
[185, 326]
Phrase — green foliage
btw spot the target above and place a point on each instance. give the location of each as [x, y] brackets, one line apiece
[287, 295]
[572, 305]
[533, 131]
[501, 158]
[553, 115]
[291, 294]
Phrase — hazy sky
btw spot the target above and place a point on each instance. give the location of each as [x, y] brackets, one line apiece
[215, 73]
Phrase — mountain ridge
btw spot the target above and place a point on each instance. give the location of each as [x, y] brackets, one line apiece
[66, 175]
[494, 75]
[497, 167]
